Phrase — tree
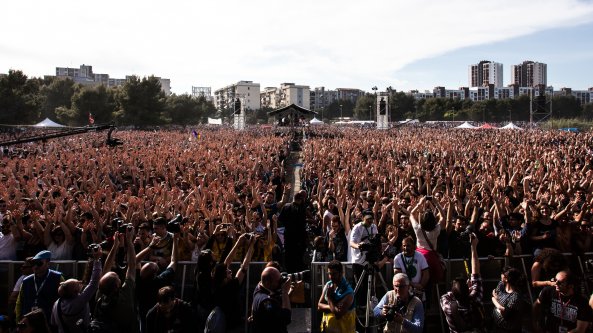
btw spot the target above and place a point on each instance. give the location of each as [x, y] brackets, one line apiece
[182, 109]
[566, 107]
[402, 106]
[97, 101]
[141, 102]
[19, 98]
[56, 93]
[365, 107]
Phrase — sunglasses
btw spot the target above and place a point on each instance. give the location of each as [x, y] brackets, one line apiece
[37, 263]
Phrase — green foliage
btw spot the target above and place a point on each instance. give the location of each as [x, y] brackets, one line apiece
[365, 108]
[19, 99]
[581, 124]
[98, 101]
[141, 102]
[56, 92]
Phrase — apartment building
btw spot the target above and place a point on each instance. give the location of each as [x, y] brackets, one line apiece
[247, 91]
[85, 75]
[529, 74]
[484, 73]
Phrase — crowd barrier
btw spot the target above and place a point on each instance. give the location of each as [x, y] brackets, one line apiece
[490, 268]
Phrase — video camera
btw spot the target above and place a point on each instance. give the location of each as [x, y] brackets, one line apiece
[174, 225]
[371, 246]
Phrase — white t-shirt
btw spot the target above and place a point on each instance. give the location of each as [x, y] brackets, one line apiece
[7, 247]
[432, 235]
[61, 252]
[417, 260]
[358, 233]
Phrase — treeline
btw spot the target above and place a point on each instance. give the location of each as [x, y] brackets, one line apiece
[404, 106]
[139, 102]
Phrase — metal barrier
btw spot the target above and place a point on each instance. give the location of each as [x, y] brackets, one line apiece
[490, 269]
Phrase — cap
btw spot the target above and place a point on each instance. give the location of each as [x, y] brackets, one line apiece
[45, 254]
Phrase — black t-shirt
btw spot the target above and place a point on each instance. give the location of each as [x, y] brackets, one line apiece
[227, 298]
[562, 311]
[147, 289]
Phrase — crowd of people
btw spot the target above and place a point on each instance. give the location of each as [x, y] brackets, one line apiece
[418, 195]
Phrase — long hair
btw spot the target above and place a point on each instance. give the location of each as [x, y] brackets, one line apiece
[428, 221]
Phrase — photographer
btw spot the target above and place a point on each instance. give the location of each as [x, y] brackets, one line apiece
[270, 310]
[150, 280]
[403, 311]
[463, 304]
[360, 243]
[161, 251]
[73, 305]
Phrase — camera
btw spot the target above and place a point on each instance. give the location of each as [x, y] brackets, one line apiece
[174, 225]
[371, 246]
[123, 227]
[297, 277]
[429, 197]
[465, 235]
[398, 307]
[94, 248]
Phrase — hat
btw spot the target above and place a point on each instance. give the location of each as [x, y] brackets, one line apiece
[45, 254]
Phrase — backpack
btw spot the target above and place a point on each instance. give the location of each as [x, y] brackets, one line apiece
[101, 322]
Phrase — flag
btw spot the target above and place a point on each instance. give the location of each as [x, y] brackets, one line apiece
[194, 133]
[91, 119]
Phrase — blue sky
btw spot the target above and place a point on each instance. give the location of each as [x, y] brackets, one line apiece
[568, 52]
[406, 44]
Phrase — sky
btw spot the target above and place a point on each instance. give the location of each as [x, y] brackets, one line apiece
[407, 45]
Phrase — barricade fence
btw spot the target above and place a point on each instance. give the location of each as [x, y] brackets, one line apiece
[490, 269]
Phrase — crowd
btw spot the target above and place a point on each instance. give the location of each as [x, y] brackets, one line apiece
[218, 197]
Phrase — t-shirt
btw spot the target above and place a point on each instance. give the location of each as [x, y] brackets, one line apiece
[7, 247]
[417, 260]
[432, 235]
[62, 251]
[359, 233]
[562, 311]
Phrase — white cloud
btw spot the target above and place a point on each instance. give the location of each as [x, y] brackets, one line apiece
[215, 43]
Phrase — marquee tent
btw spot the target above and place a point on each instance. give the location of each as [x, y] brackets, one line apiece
[316, 121]
[466, 125]
[48, 123]
[511, 126]
[487, 126]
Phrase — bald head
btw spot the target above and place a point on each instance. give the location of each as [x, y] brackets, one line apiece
[270, 277]
[109, 283]
[149, 270]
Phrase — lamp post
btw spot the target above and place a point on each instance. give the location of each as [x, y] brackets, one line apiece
[341, 116]
[371, 112]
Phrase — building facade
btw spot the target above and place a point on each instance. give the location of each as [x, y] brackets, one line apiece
[247, 91]
[529, 74]
[485, 73]
[85, 76]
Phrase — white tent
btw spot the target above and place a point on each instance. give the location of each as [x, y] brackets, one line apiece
[316, 121]
[214, 121]
[48, 123]
[511, 126]
[466, 125]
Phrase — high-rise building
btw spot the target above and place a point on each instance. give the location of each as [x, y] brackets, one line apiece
[247, 90]
[485, 73]
[529, 74]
